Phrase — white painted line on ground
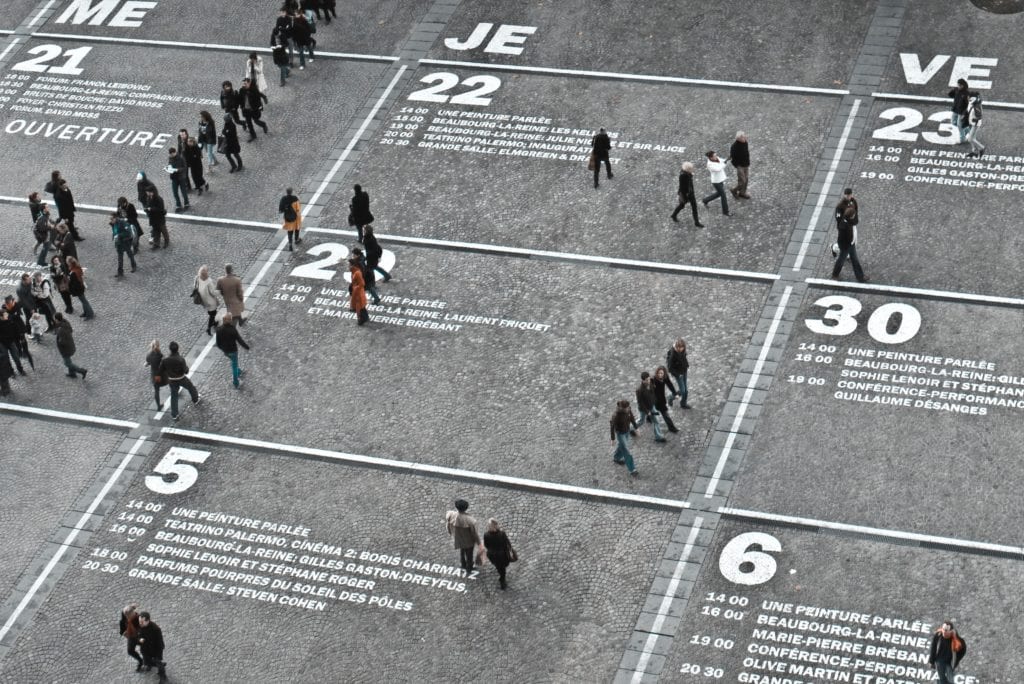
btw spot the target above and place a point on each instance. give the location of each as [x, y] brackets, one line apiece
[40, 13]
[72, 535]
[826, 189]
[14, 42]
[471, 246]
[666, 602]
[636, 77]
[947, 102]
[64, 415]
[919, 292]
[355, 139]
[748, 393]
[414, 468]
[204, 46]
[873, 531]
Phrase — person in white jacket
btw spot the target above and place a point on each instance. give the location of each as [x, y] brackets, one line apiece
[254, 72]
[974, 120]
[716, 167]
[207, 289]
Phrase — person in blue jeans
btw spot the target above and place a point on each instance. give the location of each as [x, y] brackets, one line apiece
[174, 369]
[677, 365]
[228, 340]
[947, 650]
[645, 404]
[622, 424]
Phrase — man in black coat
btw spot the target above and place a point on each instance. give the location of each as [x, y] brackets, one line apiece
[228, 339]
[739, 153]
[230, 101]
[177, 170]
[359, 211]
[947, 649]
[10, 329]
[65, 202]
[157, 214]
[252, 107]
[687, 194]
[846, 220]
[66, 346]
[175, 370]
[601, 145]
[151, 642]
[374, 252]
[961, 98]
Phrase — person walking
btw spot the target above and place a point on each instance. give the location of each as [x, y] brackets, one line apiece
[846, 242]
[661, 382]
[601, 146]
[947, 650]
[66, 346]
[6, 373]
[622, 422]
[66, 209]
[369, 279]
[174, 370]
[230, 102]
[359, 211]
[228, 340]
[687, 195]
[45, 232]
[462, 528]
[124, 239]
[677, 365]
[229, 146]
[645, 405]
[716, 168]
[302, 36]
[254, 72]
[279, 49]
[739, 154]
[283, 31]
[252, 108]
[178, 173]
[76, 286]
[374, 252]
[291, 209]
[207, 137]
[974, 122]
[157, 213]
[193, 155]
[64, 241]
[153, 359]
[127, 211]
[499, 550]
[128, 626]
[151, 639]
[961, 99]
[59, 278]
[357, 296]
[230, 287]
[26, 300]
[35, 205]
[42, 292]
[207, 290]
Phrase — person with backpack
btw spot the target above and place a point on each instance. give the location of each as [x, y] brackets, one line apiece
[124, 237]
[973, 116]
[228, 339]
[946, 652]
[291, 209]
[127, 211]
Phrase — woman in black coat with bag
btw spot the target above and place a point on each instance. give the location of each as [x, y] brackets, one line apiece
[230, 147]
[499, 550]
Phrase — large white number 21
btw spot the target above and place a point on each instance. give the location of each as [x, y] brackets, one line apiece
[48, 53]
[176, 462]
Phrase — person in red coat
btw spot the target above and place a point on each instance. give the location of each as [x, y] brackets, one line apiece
[357, 296]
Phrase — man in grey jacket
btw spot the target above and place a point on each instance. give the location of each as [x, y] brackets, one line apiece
[462, 528]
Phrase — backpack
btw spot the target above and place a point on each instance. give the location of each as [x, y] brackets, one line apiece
[289, 213]
[123, 232]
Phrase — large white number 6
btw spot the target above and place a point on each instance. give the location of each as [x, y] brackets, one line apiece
[845, 323]
[184, 475]
[737, 553]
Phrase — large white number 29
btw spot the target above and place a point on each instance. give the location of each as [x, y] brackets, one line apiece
[844, 319]
[740, 565]
[184, 474]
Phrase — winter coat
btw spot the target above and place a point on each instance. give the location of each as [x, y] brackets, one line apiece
[499, 548]
[207, 292]
[462, 528]
[155, 209]
[228, 338]
[676, 361]
[601, 144]
[229, 100]
[359, 208]
[740, 153]
[153, 360]
[686, 185]
[151, 641]
[357, 300]
[65, 244]
[65, 202]
[76, 281]
[230, 133]
[207, 133]
[230, 287]
[193, 157]
[622, 420]
[65, 339]
[176, 168]
[35, 208]
[142, 186]
[254, 72]
[173, 367]
[660, 401]
[250, 99]
[373, 250]
[645, 397]
[293, 202]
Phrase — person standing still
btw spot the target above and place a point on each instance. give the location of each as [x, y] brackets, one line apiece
[129, 629]
[739, 154]
[622, 422]
[228, 340]
[601, 146]
[359, 211]
[174, 369]
[124, 238]
[280, 53]
[687, 195]
[177, 171]
[208, 138]
[499, 550]
[66, 209]
[462, 528]
[291, 209]
[374, 252]
[357, 296]
[76, 286]
[193, 155]
[716, 168]
[677, 365]
[66, 346]
[151, 639]
[230, 287]
[961, 98]
[946, 652]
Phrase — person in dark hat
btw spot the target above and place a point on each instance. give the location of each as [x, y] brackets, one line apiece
[462, 529]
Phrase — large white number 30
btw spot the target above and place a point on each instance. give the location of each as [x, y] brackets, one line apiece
[171, 464]
[740, 565]
[845, 321]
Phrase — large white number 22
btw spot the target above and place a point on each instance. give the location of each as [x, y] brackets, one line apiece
[446, 80]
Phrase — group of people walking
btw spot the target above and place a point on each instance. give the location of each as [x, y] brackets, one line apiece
[145, 640]
[494, 548]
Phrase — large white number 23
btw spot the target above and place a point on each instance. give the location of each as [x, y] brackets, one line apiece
[176, 462]
[446, 80]
[844, 319]
[911, 118]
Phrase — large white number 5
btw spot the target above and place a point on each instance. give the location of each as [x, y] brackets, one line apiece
[845, 323]
[737, 554]
[184, 475]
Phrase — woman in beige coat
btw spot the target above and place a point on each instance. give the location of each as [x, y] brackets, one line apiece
[207, 290]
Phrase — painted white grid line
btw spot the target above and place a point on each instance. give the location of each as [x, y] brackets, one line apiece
[636, 77]
[14, 42]
[64, 415]
[69, 540]
[666, 602]
[873, 531]
[40, 13]
[748, 393]
[411, 467]
[945, 101]
[826, 188]
[919, 292]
